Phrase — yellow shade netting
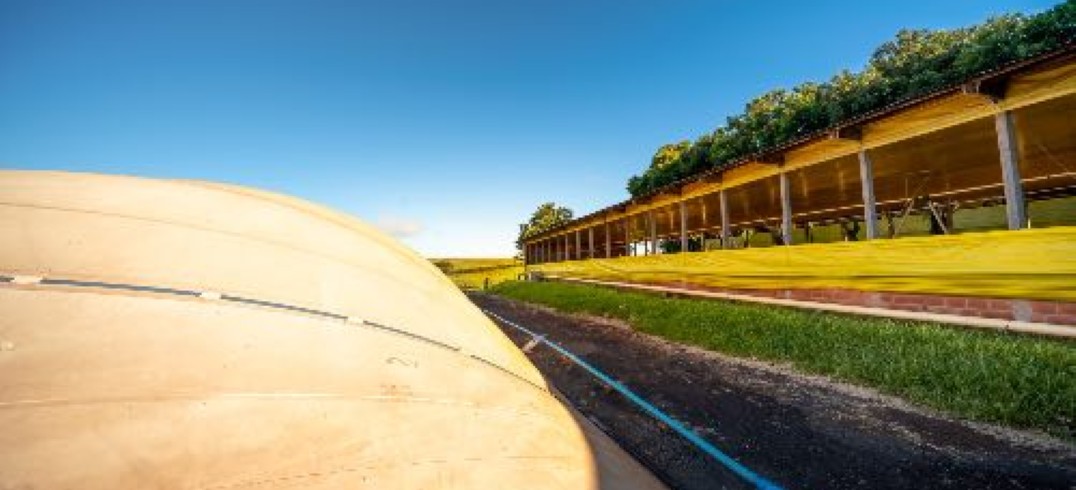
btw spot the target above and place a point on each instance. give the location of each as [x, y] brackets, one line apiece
[1031, 264]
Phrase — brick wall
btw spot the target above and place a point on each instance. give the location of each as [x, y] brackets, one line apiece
[1054, 312]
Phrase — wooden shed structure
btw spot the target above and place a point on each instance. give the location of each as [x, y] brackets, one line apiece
[997, 152]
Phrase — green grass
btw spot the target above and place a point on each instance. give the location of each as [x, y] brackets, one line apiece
[1016, 380]
[473, 273]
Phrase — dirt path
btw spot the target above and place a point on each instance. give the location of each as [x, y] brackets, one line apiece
[800, 431]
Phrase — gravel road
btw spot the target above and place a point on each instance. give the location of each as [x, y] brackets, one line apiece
[799, 431]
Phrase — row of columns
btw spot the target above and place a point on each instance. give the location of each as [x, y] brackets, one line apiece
[547, 250]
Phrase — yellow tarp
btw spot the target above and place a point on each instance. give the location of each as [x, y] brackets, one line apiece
[1032, 264]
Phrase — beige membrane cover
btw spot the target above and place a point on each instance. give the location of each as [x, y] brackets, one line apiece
[114, 388]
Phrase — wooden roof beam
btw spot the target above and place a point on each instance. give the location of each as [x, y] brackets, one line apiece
[847, 133]
[777, 159]
[675, 191]
[990, 88]
[710, 178]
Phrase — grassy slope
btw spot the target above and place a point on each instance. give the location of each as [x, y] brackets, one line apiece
[989, 376]
[472, 273]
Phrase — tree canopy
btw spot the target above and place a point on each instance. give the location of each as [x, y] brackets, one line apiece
[546, 217]
[913, 64]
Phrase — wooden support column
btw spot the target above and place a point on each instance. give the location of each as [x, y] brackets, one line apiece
[723, 200]
[608, 241]
[786, 209]
[578, 245]
[870, 205]
[683, 226]
[653, 232]
[565, 257]
[1015, 207]
[590, 242]
[627, 236]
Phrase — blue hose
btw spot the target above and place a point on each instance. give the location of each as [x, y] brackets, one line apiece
[726, 460]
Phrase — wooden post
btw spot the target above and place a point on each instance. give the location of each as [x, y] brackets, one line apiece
[644, 236]
[608, 240]
[870, 205]
[627, 236]
[590, 242]
[683, 226]
[786, 209]
[723, 200]
[1015, 207]
[578, 245]
[567, 257]
[653, 232]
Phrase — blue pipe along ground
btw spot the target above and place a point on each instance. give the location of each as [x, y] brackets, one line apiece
[703, 445]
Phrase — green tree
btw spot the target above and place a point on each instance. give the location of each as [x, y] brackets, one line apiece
[546, 217]
[912, 64]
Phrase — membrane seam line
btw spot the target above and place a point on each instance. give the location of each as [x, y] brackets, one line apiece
[114, 285]
[506, 371]
[281, 306]
[702, 444]
[5, 279]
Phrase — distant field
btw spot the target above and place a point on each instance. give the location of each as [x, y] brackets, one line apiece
[473, 273]
[1019, 380]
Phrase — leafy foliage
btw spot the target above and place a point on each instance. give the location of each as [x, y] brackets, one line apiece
[913, 64]
[546, 217]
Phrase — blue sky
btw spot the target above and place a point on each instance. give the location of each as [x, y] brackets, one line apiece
[444, 122]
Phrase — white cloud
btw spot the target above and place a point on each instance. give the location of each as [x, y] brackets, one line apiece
[399, 226]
